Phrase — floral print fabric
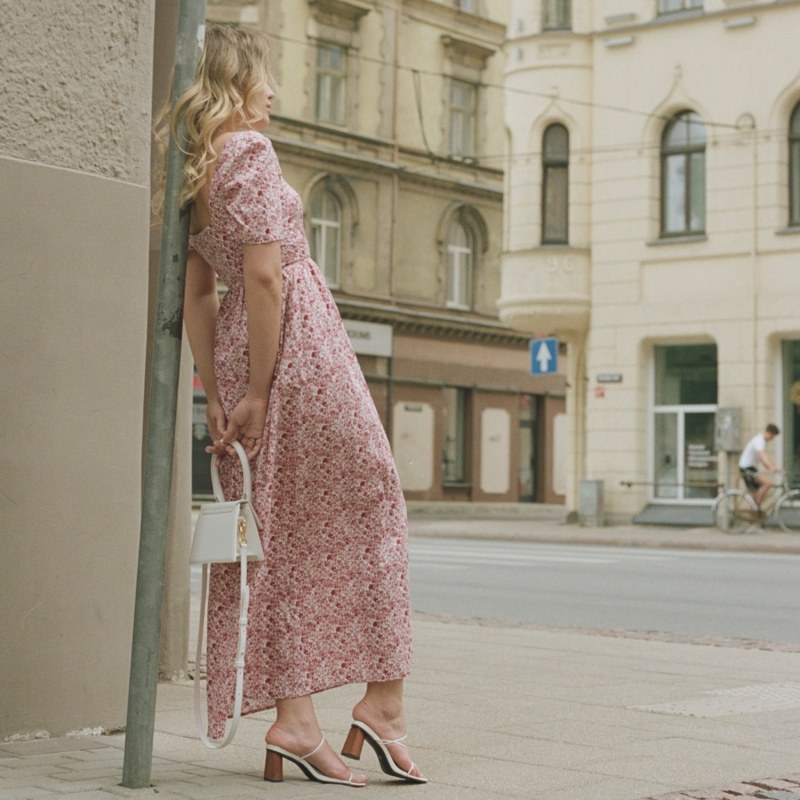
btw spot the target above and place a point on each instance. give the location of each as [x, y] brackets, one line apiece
[329, 604]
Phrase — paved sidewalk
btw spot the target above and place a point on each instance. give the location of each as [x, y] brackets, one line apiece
[506, 711]
[546, 524]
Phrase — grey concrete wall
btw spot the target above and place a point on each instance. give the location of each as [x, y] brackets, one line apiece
[74, 168]
[75, 83]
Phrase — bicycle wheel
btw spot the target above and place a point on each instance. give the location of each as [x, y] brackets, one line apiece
[787, 512]
[734, 511]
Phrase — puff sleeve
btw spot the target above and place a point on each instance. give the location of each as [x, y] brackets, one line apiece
[248, 189]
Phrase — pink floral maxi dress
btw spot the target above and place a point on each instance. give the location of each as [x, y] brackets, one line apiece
[329, 604]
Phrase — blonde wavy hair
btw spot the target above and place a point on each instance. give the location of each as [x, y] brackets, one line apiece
[233, 67]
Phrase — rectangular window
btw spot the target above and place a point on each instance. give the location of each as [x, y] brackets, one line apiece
[459, 264]
[697, 192]
[675, 194]
[794, 182]
[454, 466]
[331, 83]
[325, 249]
[463, 116]
[554, 205]
[671, 6]
[684, 198]
[686, 375]
[556, 15]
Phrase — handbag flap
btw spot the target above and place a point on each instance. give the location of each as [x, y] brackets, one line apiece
[216, 533]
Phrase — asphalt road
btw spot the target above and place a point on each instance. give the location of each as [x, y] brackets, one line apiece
[695, 593]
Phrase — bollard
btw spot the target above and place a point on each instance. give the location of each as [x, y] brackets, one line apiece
[591, 508]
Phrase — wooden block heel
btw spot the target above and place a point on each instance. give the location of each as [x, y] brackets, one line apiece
[273, 767]
[361, 732]
[354, 743]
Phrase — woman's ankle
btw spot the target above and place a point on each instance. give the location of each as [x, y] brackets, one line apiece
[383, 698]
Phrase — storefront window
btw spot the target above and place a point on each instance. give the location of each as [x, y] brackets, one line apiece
[454, 455]
[684, 458]
[686, 374]
[790, 433]
[527, 447]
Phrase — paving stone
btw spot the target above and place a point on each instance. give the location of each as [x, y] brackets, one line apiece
[64, 744]
[777, 783]
[25, 793]
[766, 789]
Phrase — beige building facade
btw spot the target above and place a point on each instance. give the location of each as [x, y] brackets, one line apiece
[653, 223]
[75, 172]
[388, 124]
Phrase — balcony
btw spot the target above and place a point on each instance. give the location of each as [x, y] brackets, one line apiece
[547, 290]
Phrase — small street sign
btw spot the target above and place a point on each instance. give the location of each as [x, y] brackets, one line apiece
[544, 356]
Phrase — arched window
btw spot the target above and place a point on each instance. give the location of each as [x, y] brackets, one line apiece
[460, 263]
[683, 176]
[794, 167]
[326, 233]
[555, 185]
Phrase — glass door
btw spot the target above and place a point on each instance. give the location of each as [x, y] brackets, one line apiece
[666, 467]
[684, 466]
[790, 430]
[685, 462]
[699, 455]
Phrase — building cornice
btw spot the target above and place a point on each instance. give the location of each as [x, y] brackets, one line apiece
[690, 17]
[467, 52]
[659, 22]
[453, 18]
[354, 151]
[463, 326]
[346, 13]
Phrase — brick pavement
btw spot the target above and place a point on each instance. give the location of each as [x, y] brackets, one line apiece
[768, 789]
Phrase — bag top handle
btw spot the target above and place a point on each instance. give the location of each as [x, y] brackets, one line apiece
[246, 482]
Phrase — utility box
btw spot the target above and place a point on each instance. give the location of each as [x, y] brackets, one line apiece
[728, 430]
[591, 506]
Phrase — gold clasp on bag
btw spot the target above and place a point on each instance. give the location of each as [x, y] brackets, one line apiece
[242, 531]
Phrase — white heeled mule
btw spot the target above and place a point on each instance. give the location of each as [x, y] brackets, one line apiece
[273, 767]
[359, 731]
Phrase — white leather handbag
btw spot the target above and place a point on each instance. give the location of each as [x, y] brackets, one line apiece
[225, 532]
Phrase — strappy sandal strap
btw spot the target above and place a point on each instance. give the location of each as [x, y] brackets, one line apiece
[308, 755]
[402, 743]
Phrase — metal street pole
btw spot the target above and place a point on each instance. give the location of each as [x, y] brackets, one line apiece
[164, 372]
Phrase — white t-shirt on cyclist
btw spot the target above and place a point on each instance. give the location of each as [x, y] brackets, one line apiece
[749, 458]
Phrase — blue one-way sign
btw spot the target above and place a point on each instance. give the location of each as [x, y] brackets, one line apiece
[544, 356]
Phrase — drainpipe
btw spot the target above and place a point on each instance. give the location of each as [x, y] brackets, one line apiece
[140, 727]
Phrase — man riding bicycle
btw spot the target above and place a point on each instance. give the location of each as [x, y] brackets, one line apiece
[755, 453]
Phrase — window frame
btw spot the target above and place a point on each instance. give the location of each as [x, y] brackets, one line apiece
[324, 226]
[468, 117]
[684, 386]
[332, 112]
[460, 265]
[794, 167]
[552, 165]
[458, 477]
[556, 15]
[687, 153]
[685, 5]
